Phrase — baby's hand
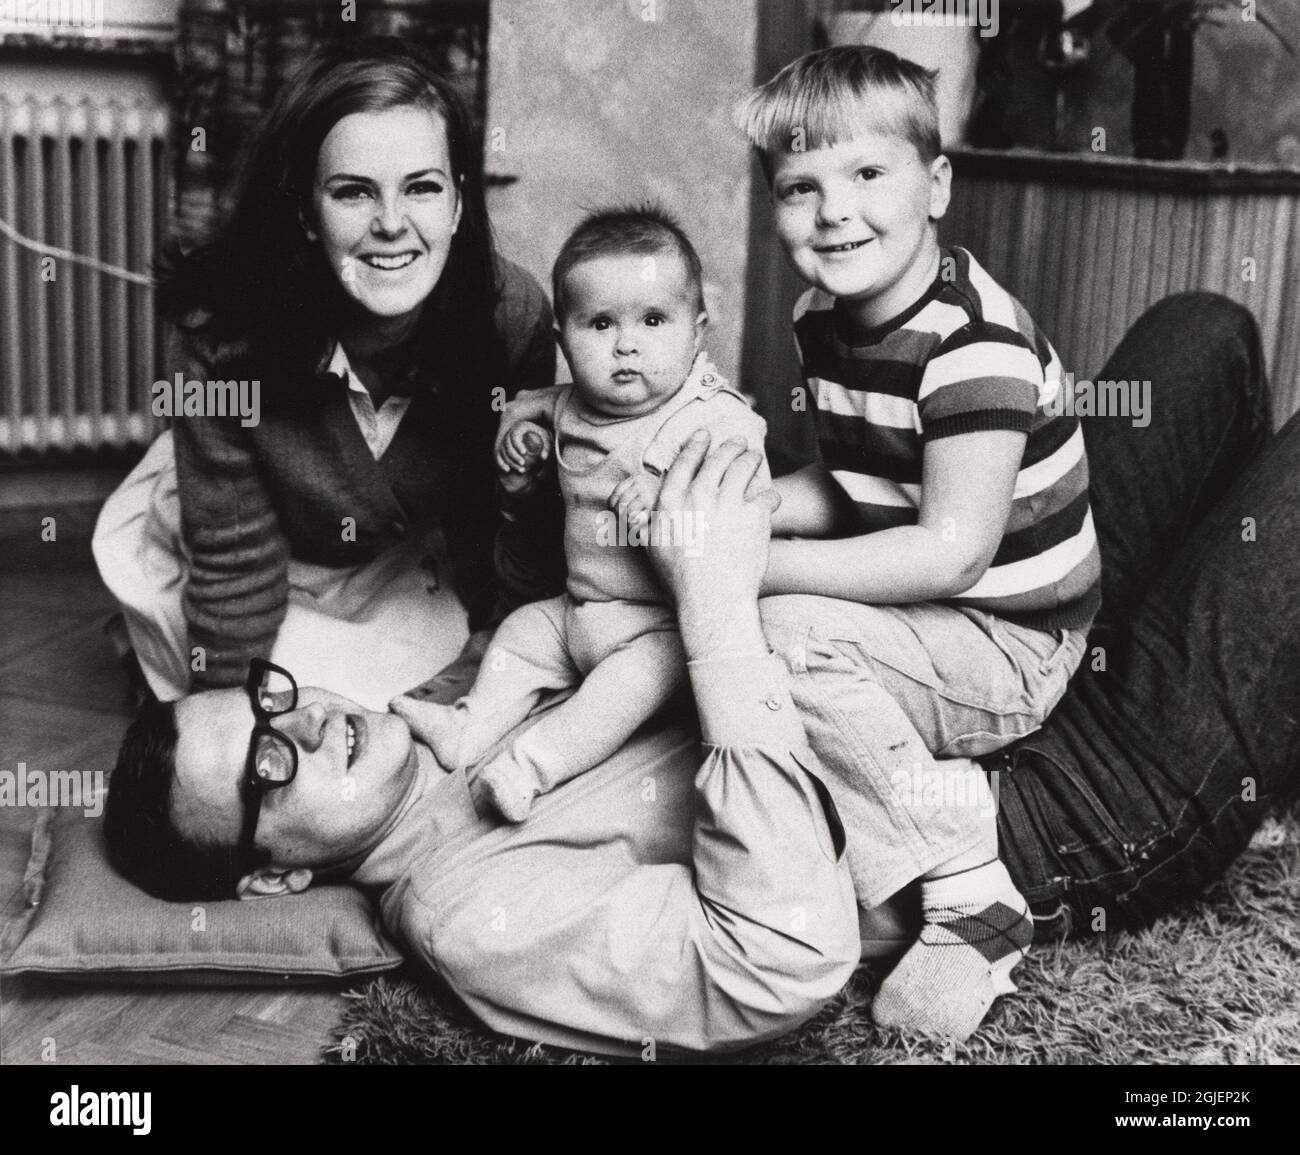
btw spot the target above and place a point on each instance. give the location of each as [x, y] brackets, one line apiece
[521, 453]
[634, 497]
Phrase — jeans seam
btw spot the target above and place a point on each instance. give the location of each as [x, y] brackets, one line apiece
[939, 691]
[846, 736]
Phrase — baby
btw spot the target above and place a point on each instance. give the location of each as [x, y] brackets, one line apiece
[630, 313]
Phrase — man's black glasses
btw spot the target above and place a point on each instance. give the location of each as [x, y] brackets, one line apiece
[272, 759]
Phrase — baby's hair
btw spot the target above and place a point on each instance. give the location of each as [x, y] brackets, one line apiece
[833, 94]
[623, 230]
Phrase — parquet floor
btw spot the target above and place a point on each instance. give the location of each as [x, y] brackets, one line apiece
[63, 705]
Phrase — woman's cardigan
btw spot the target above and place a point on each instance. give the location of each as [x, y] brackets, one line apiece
[303, 484]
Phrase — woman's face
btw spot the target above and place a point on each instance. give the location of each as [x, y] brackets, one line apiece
[386, 206]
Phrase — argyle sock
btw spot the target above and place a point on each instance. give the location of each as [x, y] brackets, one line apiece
[977, 927]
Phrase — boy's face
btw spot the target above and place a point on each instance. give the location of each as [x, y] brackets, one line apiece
[632, 327]
[855, 219]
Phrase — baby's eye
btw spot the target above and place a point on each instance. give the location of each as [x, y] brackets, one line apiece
[654, 320]
[600, 324]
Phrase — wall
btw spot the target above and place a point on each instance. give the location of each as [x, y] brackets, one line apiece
[592, 102]
[1095, 242]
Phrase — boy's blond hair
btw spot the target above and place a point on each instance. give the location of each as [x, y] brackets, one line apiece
[831, 95]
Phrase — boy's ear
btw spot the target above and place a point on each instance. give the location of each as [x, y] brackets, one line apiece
[272, 882]
[940, 186]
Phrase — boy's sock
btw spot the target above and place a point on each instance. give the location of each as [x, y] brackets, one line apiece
[977, 927]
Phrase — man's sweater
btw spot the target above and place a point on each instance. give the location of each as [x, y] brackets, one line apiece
[303, 484]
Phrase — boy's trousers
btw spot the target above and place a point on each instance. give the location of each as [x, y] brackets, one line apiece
[896, 700]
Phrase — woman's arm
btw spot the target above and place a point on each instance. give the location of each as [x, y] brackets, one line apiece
[237, 590]
[529, 542]
[967, 486]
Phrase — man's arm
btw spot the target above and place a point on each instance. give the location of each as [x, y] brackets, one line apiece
[559, 933]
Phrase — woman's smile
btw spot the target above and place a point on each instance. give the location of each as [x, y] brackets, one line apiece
[390, 263]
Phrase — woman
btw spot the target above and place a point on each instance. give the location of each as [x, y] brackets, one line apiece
[354, 280]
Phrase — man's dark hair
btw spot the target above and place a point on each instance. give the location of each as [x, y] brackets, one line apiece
[640, 230]
[144, 843]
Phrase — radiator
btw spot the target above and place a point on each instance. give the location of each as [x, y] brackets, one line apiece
[79, 352]
[1087, 246]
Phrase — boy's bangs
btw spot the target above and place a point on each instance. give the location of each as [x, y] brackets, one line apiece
[818, 119]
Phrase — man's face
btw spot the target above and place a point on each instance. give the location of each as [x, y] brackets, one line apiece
[339, 805]
[855, 219]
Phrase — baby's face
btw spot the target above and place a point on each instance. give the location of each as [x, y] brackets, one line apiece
[631, 330]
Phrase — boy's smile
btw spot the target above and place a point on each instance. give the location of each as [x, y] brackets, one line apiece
[857, 220]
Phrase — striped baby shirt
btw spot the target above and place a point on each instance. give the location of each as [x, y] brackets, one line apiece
[965, 358]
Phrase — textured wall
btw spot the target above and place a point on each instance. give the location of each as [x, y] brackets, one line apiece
[592, 101]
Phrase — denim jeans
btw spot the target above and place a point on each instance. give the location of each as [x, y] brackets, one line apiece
[896, 700]
[1182, 726]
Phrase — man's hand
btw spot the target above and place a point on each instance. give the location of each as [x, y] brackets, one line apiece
[634, 497]
[712, 553]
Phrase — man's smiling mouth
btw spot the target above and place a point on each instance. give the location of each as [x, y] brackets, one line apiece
[357, 738]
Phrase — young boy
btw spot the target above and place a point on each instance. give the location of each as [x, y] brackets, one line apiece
[630, 311]
[943, 548]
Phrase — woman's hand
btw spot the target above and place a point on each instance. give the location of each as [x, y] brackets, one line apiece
[710, 544]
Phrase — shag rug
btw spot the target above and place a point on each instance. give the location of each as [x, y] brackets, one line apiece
[1218, 982]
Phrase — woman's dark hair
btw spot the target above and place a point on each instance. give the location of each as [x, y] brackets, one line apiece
[260, 281]
[144, 843]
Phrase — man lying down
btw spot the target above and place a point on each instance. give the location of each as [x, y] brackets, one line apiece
[701, 906]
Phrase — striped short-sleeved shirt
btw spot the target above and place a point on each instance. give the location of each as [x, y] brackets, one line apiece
[966, 358]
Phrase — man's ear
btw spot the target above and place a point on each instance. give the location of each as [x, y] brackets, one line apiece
[272, 882]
